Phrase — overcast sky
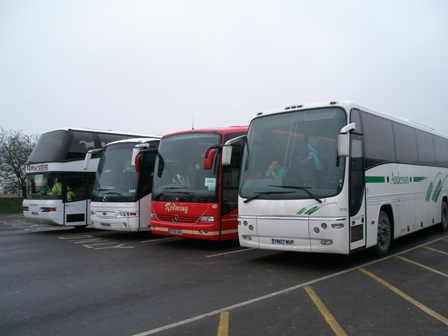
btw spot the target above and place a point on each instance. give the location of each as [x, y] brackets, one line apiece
[159, 66]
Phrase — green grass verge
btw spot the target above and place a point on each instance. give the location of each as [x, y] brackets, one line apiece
[10, 205]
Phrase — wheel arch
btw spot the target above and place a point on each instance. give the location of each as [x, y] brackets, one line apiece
[387, 208]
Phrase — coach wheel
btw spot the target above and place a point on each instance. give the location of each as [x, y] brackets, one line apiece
[444, 221]
[384, 234]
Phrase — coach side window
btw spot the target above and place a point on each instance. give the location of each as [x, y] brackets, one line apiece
[441, 147]
[425, 148]
[378, 140]
[405, 144]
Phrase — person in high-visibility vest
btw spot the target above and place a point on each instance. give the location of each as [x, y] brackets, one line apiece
[57, 190]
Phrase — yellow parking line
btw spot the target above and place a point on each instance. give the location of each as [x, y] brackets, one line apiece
[406, 297]
[435, 250]
[423, 266]
[325, 312]
[223, 329]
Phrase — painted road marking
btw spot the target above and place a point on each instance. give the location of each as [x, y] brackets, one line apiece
[334, 325]
[423, 266]
[231, 252]
[416, 303]
[91, 242]
[435, 250]
[274, 294]
[160, 240]
[223, 329]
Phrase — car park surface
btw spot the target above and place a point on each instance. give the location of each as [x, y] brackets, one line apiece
[68, 281]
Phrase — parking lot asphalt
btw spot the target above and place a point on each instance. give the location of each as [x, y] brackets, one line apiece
[64, 281]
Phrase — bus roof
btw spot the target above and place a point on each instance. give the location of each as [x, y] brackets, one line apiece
[91, 130]
[136, 140]
[348, 105]
[220, 130]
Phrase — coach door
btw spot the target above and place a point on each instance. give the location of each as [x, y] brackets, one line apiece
[357, 194]
[76, 196]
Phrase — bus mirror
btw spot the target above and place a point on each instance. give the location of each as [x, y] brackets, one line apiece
[226, 155]
[344, 140]
[137, 162]
[343, 145]
[89, 156]
[87, 160]
[208, 159]
[135, 152]
[348, 128]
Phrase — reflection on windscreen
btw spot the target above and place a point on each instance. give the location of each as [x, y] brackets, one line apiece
[179, 173]
[293, 155]
[116, 178]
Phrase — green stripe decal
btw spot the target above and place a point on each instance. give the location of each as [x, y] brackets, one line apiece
[382, 179]
[419, 178]
[375, 179]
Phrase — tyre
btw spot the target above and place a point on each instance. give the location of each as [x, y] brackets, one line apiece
[384, 234]
[444, 221]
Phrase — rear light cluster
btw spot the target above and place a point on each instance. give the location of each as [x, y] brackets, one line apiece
[47, 209]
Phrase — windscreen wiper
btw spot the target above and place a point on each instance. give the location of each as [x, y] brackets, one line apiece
[299, 187]
[113, 192]
[95, 192]
[165, 190]
[247, 200]
[189, 193]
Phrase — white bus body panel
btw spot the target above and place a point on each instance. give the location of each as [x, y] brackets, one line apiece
[36, 214]
[312, 232]
[106, 215]
[60, 216]
[410, 191]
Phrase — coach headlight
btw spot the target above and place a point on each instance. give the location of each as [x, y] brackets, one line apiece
[207, 219]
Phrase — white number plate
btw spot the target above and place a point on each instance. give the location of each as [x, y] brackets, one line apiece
[276, 241]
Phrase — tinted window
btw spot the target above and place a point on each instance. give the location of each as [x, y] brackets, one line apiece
[356, 118]
[441, 151]
[378, 137]
[232, 135]
[51, 146]
[405, 144]
[425, 147]
[80, 144]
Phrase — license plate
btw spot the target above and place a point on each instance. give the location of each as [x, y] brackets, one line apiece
[282, 241]
[173, 231]
[105, 224]
[34, 213]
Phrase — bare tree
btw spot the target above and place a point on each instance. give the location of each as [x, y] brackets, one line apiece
[15, 148]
